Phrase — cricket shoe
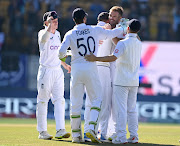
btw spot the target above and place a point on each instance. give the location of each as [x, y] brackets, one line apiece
[44, 135]
[103, 139]
[121, 140]
[133, 139]
[99, 134]
[91, 134]
[77, 139]
[62, 134]
[112, 137]
[86, 139]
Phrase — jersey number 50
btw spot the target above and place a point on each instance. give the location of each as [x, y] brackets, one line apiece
[84, 46]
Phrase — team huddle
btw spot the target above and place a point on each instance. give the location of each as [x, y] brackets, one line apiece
[105, 61]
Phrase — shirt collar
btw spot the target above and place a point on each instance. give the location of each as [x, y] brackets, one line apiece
[80, 25]
[101, 23]
[132, 35]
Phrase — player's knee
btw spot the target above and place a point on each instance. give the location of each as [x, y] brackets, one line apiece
[41, 107]
[59, 100]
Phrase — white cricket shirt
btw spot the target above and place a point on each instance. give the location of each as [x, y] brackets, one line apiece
[104, 49]
[83, 39]
[128, 52]
[49, 49]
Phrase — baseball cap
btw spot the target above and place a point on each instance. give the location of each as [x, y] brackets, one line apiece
[103, 16]
[79, 13]
[51, 13]
[134, 25]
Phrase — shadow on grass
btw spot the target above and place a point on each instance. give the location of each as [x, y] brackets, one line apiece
[107, 144]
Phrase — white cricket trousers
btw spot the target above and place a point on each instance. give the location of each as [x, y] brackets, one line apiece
[104, 76]
[111, 123]
[84, 75]
[50, 84]
[124, 101]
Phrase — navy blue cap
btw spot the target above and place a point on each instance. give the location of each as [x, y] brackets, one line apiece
[51, 13]
[134, 25]
[79, 13]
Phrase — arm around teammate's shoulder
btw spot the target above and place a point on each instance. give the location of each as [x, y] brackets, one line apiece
[93, 58]
[108, 34]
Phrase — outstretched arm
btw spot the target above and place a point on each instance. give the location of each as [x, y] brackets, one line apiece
[93, 58]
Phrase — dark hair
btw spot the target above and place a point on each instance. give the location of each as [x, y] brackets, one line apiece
[51, 13]
[134, 25]
[103, 16]
[117, 9]
[78, 21]
[78, 15]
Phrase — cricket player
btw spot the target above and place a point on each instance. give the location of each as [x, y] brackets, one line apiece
[83, 40]
[105, 48]
[105, 79]
[115, 16]
[126, 82]
[50, 78]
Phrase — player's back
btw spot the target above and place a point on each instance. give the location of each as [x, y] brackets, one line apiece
[84, 39]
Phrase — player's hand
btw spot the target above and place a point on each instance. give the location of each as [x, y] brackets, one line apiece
[100, 42]
[123, 23]
[68, 68]
[107, 26]
[49, 19]
[90, 58]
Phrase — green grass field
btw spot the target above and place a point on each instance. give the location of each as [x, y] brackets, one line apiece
[22, 132]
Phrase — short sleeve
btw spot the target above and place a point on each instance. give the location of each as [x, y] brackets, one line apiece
[119, 50]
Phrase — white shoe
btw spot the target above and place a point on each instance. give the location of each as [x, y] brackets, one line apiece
[45, 135]
[121, 140]
[91, 134]
[112, 137]
[133, 139]
[77, 139]
[62, 134]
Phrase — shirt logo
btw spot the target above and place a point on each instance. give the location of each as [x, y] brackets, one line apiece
[116, 51]
[42, 86]
[54, 47]
[51, 38]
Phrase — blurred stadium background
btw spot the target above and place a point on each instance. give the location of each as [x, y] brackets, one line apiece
[20, 21]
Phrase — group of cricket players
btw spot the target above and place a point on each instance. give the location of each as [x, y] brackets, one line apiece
[105, 60]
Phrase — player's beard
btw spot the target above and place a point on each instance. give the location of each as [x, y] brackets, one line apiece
[113, 23]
